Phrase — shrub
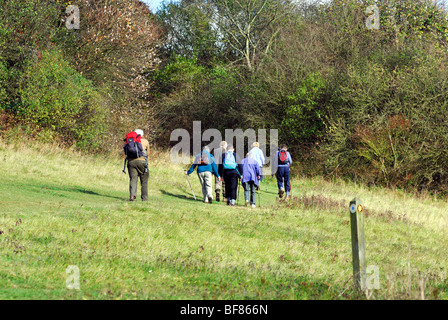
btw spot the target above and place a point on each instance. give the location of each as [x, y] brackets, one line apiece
[55, 98]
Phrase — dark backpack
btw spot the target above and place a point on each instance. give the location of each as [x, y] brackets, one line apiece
[133, 148]
[282, 157]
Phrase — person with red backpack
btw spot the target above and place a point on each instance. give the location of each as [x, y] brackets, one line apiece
[136, 149]
[282, 162]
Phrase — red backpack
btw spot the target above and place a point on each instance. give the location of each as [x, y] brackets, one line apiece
[283, 157]
[133, 148]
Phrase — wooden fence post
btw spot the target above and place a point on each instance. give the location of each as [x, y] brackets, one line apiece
[358, 245]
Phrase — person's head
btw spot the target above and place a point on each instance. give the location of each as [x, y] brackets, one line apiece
[284, 147]
[139, 131]
[255, 145]
[206, 148]
[249, 155]
[230, 148]
[223, 144]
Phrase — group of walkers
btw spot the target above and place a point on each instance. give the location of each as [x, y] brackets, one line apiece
[229, 170]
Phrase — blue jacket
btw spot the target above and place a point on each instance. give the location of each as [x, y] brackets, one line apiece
[211, 166]
[251, 170]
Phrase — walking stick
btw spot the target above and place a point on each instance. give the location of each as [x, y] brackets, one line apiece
[259, 187]
[238, 195]
[191, 187]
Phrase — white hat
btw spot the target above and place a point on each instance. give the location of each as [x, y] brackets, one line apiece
[139, 131]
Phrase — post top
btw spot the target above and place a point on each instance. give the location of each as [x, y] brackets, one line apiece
[356, 206]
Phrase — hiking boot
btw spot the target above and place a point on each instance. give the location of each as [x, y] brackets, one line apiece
[280, 193]
[132, 198]
[217, 196]
[225, 199]
[210, 200]
[253, 205]
[247, 203]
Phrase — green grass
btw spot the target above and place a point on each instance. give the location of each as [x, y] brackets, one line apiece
[59, 208]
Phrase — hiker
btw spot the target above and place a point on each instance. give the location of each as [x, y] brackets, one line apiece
[257, 155]
[282, 163]
[219, 183]
[231, 169]
[138, 169]
[251, 178]
[206, 166]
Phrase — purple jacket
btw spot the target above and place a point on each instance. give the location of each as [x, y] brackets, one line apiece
[251, 170]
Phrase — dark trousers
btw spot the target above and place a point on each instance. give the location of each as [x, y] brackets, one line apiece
[136, 169]
[283, 177]
[231, 183]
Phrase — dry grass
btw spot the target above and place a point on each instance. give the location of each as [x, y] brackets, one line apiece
[61, 208]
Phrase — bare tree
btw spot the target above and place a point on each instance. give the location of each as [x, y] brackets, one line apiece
[249, 27]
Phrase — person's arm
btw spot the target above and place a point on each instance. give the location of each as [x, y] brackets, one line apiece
[257, 170]
[194, 165]
[239, 164]
[220, 164]
[289, 158]
[192, 168]
[274, 167]
[215, 169]
[214, 166]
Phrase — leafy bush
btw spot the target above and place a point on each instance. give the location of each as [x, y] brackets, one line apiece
[304, 120]
[55, 98]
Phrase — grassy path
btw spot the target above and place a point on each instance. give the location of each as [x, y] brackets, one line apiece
[60, 209]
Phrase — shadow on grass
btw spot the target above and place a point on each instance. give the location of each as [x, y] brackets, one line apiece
[180, 196]
[81, 190]
[96, 194]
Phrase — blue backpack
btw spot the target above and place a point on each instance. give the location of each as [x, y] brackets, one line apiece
[229, 161]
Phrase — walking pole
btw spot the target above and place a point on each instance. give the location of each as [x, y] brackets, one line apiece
[238, 195]
[191, 187]
[259, 187]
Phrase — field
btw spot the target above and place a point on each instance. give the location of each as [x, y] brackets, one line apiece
[61, 209]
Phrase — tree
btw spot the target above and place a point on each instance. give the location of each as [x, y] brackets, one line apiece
[188, 32]
[249, 27]
[117, 47]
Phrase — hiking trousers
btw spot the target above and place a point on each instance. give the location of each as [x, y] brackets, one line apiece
[231, 184]
[220, 185]
[136, 169]
[249, 191]
[206, 180]
[283, 177]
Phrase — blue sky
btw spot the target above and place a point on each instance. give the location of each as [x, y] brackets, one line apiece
[153, 4]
